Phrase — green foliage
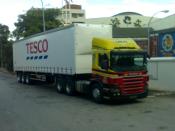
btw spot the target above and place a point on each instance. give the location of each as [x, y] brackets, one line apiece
[32, 22]
[6, 57]
[4, 34]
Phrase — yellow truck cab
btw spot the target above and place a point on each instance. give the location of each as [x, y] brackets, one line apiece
[119, 68]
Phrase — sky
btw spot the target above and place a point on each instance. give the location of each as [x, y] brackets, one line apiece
[10, 9]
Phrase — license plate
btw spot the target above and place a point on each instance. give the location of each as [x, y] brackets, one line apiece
[132, 97]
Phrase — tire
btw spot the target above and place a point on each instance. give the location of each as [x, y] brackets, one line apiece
[70, 88]
[19, 78]
[23, 79]
[60, 86]
[27, 79]
[96, 93]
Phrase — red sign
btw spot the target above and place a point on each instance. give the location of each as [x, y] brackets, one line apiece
[35, 47]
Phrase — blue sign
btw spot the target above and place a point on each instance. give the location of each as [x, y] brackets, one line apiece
[166, 45]
[37, 57]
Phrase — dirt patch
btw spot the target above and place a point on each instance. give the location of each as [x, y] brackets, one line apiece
[3, 70]
[155, 93]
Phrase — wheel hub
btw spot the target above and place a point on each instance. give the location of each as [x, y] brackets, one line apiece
[96, 93]
[68, 89]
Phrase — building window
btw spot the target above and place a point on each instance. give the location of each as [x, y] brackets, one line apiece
[74, 15]
[81, 15]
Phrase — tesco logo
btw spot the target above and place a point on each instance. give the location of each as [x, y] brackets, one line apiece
[35, 47]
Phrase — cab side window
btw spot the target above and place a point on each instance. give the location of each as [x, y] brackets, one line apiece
[103, 61]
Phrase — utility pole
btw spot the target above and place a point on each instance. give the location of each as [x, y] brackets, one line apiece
[149, 22]
[44, 26]
[68, 11]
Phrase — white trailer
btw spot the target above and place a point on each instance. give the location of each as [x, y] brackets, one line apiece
[62, 54]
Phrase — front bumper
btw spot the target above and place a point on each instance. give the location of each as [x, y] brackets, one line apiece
[115, 93]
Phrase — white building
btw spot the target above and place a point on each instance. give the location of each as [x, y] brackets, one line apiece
[72, 13]
[164, 23]
[128, 25]
[124, 19]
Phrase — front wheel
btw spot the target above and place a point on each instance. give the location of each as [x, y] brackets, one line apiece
[96, 93]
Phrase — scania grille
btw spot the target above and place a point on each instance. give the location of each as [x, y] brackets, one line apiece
[132, 85]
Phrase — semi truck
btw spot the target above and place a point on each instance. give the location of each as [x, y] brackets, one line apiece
[83, 58]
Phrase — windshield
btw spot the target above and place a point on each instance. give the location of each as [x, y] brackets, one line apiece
[128, 62]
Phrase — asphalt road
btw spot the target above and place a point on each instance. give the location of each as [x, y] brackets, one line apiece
[41, 108]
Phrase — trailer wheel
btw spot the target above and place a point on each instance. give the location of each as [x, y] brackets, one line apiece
[22, 78]
[27, 79]
[96, 93]
[70, 87]
[60, 86]
[19, 78]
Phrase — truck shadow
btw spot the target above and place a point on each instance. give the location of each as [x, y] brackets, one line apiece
[48, 89]
[122, 102]
[108, 102]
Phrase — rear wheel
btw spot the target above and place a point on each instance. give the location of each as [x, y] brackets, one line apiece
[60, 85]
[22, 78]
[70, 87]
[96, 93]
[27, 79]
[18, 77]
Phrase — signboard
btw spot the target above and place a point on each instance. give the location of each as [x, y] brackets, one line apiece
[167, 44]
[153, 45]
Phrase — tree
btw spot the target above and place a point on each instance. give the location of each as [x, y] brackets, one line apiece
[4, 33]
[127, 20]
[8, 56]
[5, 48]
[31, 22]
[137, 23]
